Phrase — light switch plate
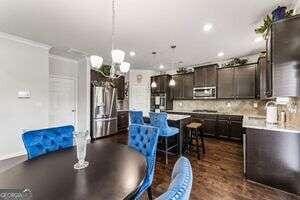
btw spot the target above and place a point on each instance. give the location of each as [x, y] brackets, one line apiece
[25, 94]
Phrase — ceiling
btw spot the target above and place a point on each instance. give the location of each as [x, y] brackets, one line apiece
[142, 26]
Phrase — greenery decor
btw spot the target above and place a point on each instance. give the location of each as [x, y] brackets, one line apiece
[267, 23]
[236, 62]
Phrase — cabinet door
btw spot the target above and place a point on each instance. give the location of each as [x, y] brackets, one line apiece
[199, 77]
[120, 87]
[262, 77]
[163, 83]
[269, 71]
[223, 129]
[236, 129]
[210, 126]
[245, 82]
[188, 85]
[226, 83]
[177, 89]
[123, 120]
[211, 76]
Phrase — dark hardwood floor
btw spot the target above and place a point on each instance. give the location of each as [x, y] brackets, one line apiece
[218, 175]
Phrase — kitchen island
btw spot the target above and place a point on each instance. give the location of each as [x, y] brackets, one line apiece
[272, 154]
[178, 121]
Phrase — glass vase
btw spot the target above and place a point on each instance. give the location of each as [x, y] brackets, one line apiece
[81, 142]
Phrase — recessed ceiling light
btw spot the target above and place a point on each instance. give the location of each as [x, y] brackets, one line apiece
[161, 66]
[258, 39]
[220, 54]
[207, 27]
[132, 53]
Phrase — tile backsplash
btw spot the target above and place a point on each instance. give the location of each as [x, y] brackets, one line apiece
[242, 107]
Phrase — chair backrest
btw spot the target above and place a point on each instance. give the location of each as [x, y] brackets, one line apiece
[159, 120]
[43, 141]
[144, 139]
[182, 180]
[136, 117]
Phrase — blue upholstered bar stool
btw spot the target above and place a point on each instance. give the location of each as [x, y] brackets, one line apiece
[181, 181]
[159, 120]
[136, 117]
[143, 139]
[43, 141]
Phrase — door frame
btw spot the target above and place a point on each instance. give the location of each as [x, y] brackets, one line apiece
[75, 79]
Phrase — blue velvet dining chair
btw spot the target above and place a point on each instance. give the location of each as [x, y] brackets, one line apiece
[136, 117]
[181, 181]
[143, 139]
[43, 141]
[160, 120]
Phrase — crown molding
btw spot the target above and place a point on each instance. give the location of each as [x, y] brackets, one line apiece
[62, 58]
[24, 40]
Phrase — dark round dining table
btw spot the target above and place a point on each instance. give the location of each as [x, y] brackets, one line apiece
[115, 171]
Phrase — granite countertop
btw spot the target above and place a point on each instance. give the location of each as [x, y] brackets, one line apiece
[260, 123]
[206, 113]
[174, 117]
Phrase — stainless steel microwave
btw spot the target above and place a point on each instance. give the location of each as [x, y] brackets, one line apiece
[204, 93]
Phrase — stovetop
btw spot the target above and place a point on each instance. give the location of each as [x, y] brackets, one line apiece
[207, 111]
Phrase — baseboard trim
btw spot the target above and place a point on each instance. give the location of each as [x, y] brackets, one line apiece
[8, 156]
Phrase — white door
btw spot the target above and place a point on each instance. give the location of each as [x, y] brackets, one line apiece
[62, 101]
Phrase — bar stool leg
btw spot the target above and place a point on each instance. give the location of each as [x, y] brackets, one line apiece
[202, 142]
[190, 141]
[198, 145]
[166, 146]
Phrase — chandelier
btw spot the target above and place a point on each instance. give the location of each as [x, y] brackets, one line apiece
[117, 55]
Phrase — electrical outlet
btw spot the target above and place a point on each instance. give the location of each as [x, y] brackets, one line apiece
[255, 105]
[228, 104]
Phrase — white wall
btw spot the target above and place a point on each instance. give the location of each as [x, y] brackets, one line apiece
[23, 65]
[60, 66]
[84, 80]
[139, 93]
[297, 7]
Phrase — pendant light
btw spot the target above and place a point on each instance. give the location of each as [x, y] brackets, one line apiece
[124, 67]
[117, 55]
[172, 82]
[153, 84]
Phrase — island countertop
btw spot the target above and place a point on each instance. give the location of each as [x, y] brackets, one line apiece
[260, 123]
[174, 117]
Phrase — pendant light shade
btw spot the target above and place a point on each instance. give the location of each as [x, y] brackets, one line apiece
[172, 82]
[96, 61]
[124, 67]
[117, 56]
[153, 84]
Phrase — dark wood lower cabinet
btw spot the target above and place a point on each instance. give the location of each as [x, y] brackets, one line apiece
[123, 120]
[272, 158]
[220, 126]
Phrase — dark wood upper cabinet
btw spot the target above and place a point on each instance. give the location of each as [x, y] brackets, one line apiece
[205, 76]
[237, 82]
[226, 89]
[120, 87]
[245, 81]
[262, 78]
[188, 85]
[176, 91]
[285, 57]
[183, 88]
[162, 82]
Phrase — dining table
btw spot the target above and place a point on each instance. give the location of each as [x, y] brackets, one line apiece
[115, 172]
[177, 121]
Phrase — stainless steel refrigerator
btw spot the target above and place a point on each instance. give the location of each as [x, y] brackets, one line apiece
[103, 110]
